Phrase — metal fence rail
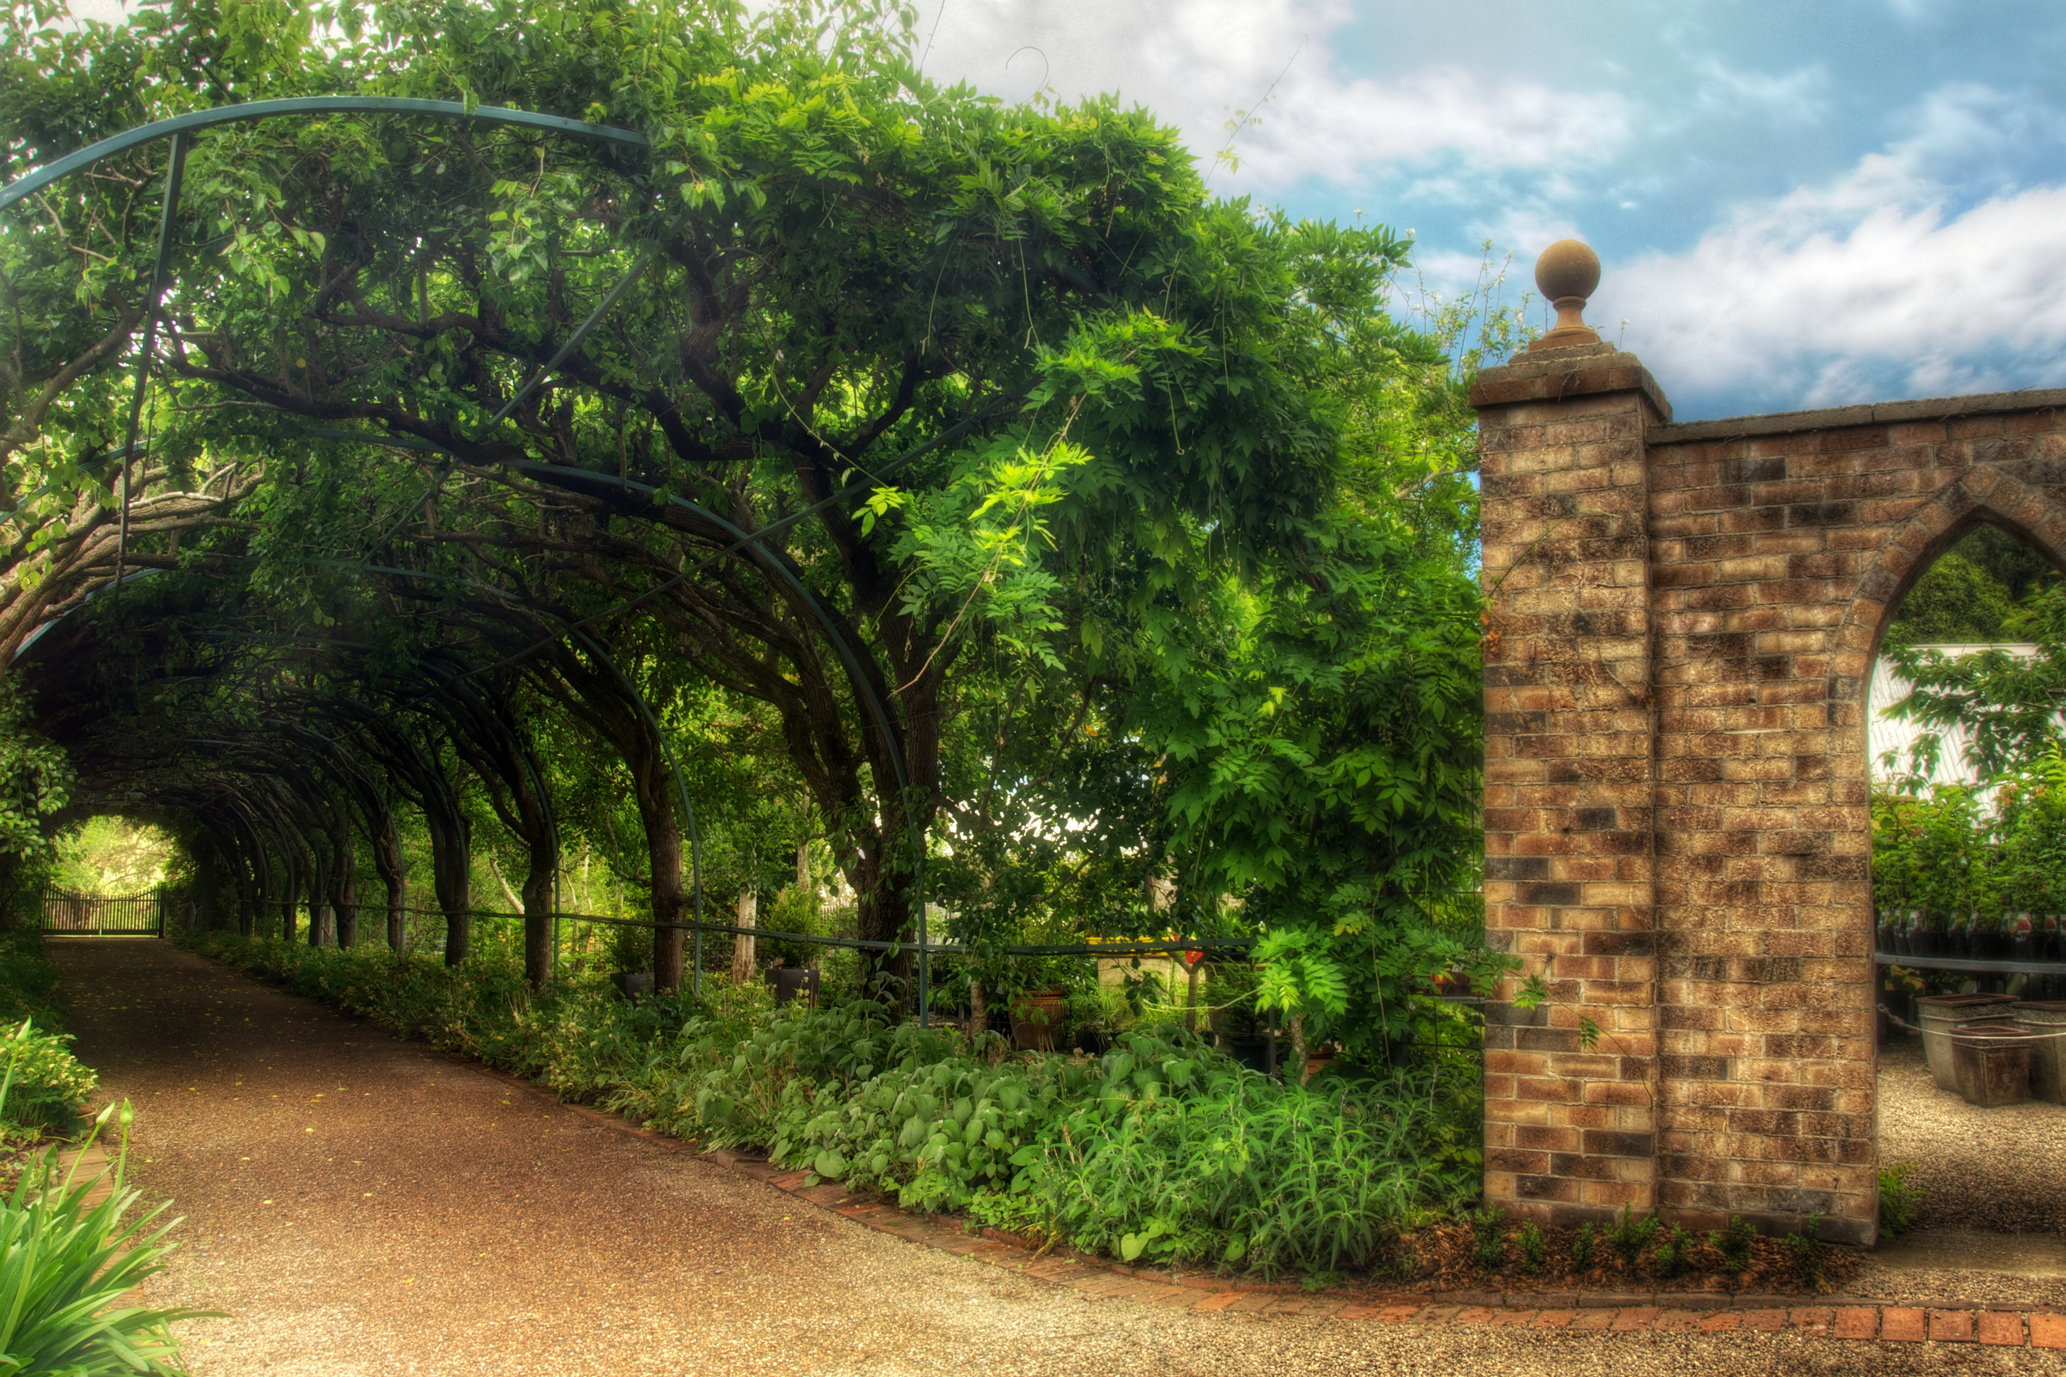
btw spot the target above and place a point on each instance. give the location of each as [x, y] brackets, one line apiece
[94, 915]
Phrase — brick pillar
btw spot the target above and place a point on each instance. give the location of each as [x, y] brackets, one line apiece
[1570, 855]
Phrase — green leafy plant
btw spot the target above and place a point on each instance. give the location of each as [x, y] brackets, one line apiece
[1582, 1247]
[1631, 1235]
[1533, 1243]
[1673, 1251]
[48, 1082]
[1897, 1199]
[1162, 1150]
[1733, 1243]
[1805, 1251]
[66, 1263]
[1488, 1232]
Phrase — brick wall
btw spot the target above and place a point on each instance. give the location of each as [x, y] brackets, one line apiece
[1680, 629]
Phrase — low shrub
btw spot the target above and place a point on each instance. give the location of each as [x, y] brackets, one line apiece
[1534, 1244]
[1897, 1199]
[1805, 1248]
[1673, 1252]
[48, 1083]
[1734, 1244]
[1631, 1235]
[1161, 1149]
[1487, 1229]
[1219, 1164]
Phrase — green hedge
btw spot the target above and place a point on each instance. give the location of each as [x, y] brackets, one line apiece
[1161, 1149]
[48, 1084]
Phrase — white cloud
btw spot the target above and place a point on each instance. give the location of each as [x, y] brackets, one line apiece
[1877, 280]
[1197, 63]
[1799, 96]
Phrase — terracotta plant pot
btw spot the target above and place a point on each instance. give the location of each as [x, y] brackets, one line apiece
[1316, 1062]
[1036, 1019]
[1991, 1063]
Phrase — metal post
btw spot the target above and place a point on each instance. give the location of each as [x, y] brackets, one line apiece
[175, 171]
[924, 972]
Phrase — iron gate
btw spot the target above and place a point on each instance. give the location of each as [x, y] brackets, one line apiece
[94, 915]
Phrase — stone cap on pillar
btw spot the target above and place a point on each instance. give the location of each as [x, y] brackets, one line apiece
[1567, 273]
[1570, 360]
[1572, 371]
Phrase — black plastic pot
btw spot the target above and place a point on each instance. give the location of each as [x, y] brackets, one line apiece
[632, 984]
[1090, 1042]
[790, 981]
[1253, 1053]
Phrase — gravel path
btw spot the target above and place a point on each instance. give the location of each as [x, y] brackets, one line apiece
[2000, 1170]
[360, 1205]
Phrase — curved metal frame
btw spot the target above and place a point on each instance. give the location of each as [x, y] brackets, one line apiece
[178, 130]
[31, 183]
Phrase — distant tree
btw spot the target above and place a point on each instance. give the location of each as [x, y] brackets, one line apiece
[1955, 601]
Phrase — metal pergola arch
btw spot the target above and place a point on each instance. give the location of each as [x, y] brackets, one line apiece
[748, 545]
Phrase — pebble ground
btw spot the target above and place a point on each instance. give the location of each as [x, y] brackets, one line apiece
[1999, 1170]
[361, 1205]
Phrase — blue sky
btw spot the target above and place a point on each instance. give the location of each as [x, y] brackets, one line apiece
[1796, 204]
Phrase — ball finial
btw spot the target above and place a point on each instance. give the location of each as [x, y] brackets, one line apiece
[1566, 274]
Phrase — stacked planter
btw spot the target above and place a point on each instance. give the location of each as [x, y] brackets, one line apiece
[2046, 1023]
[1990, 1063]
[1939, 1014]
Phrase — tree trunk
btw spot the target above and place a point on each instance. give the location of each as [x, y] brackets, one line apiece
[663, 859]
[290, 901]
[387, 863]
[743, 968]
[538, 912]
[319, 927]
[451, 877]
[345, 888]
[397, 920]
[978, 1011]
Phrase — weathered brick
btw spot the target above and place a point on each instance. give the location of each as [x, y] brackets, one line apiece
[1676, 789]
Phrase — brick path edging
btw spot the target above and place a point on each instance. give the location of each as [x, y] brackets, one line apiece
[1575, 1312]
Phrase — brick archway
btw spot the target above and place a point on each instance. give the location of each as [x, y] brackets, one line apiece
[1681, 626]
[1980, 496]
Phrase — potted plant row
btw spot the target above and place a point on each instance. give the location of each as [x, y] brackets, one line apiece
[1971, 935]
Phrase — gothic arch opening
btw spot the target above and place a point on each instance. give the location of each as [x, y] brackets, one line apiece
[1968, 895]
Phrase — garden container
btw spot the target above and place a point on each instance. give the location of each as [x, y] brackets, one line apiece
[1937, 1013]
[1991, 1063]
[1255, 1053]
[2046, 1021]
[1035, 1019]
[790, 981]
[632, 984]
